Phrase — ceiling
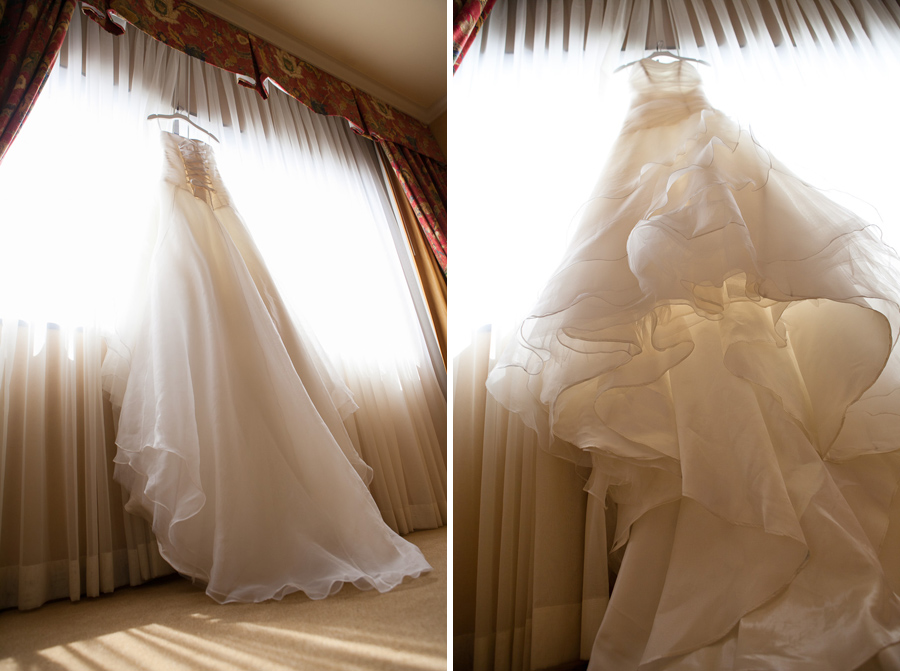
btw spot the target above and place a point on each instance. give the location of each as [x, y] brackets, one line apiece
[397, 50]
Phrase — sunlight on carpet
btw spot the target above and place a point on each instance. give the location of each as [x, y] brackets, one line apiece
[171, 624]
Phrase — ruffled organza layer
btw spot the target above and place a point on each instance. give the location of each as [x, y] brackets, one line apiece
[718, 345]
[230, 439]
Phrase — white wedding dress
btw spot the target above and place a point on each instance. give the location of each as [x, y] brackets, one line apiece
[230, 438]
[719, 345]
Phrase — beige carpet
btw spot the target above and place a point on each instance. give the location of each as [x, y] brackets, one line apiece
[170, 624]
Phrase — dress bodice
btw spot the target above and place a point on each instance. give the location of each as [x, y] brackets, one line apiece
[651, 78]
[663, 93]
[191, 165]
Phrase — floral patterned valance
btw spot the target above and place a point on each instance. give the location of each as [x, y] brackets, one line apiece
[258, 63]
[318, 90]
[388, 124]
[182, 26]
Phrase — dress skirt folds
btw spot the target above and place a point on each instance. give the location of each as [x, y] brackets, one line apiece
[719, 345]
[230, 438]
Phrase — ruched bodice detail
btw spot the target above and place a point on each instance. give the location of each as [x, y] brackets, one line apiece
[652, 79]
[663, 94]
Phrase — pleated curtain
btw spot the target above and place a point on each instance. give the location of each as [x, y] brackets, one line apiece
[64, 529]
[814, 81]
[82, 172]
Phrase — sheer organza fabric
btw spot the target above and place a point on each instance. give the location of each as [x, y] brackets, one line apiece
[718, 345]
[231, 440]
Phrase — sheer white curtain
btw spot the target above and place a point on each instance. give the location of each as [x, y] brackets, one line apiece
[815, 84]
[77, 187]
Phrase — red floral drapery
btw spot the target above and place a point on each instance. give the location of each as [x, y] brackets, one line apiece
[424, 182]
[468, 17]
[31, 34]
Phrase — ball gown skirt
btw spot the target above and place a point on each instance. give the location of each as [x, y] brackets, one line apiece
[230, 439]
[719, 346]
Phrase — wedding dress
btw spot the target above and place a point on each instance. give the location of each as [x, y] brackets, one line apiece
[719, 346]
[230, 437]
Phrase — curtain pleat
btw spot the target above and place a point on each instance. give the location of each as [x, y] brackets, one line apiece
[531, 591]
[531, 578]
[469, 367]
[63, 530]
[31, 34]
[403, 442]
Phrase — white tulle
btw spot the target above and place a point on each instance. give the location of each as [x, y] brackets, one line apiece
[230, 438]
[719, 346]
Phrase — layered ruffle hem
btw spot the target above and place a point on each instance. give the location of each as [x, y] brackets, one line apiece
[719, 346]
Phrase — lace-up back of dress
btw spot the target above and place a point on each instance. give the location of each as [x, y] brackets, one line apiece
[190, 164]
